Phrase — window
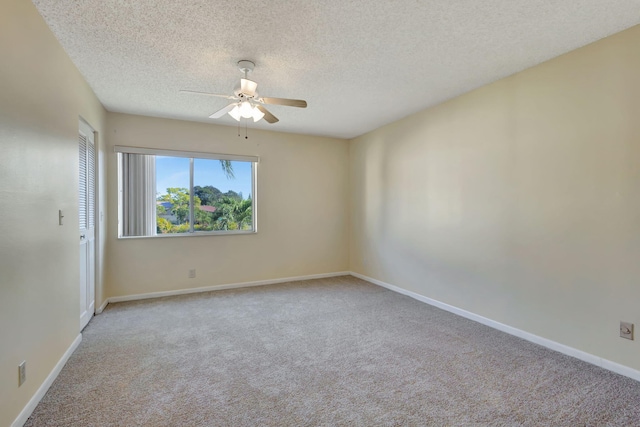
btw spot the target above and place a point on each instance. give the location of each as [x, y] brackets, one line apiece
[170, 193]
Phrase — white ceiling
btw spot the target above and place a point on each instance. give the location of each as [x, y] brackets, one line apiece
[360, 64]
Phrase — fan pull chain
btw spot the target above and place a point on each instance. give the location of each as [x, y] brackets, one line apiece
[245, 130]
[238, 129]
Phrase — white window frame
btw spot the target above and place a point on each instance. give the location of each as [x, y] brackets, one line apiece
[192, 155]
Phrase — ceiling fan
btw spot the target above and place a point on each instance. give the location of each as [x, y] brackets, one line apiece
[246, 101]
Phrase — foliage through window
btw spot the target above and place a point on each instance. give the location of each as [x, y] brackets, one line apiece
[196, 193]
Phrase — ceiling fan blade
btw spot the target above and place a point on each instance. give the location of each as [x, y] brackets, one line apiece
[270, 118]
[248, 87]
[208, 94]
[283, 101]
[221, 112]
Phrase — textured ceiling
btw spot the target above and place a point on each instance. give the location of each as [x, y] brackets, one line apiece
[360, 64]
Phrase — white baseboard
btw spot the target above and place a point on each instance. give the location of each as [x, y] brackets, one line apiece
[221, 287]
[553, 345]
[28, 410]
[103, 306]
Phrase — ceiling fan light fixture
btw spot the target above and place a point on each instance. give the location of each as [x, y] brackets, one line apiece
[257, 114]
[235, 113]
[246, 109]
[245, 97]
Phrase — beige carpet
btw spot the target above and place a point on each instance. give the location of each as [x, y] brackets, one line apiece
[324, 352]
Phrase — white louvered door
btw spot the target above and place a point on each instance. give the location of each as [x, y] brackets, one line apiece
[87, 219]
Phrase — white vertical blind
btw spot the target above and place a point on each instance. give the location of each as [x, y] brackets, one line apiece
[82, 187]
[139, 194]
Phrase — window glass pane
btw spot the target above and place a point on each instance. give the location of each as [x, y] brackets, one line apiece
[223, 195]
[172, 194]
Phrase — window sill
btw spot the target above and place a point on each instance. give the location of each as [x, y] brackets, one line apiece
[195, 234]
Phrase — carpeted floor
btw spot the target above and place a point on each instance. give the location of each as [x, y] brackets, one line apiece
[325, 352]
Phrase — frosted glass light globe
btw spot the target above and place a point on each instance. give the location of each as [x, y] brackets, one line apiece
[246, 110]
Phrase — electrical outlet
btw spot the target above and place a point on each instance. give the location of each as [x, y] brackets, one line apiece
[192, 273]
[22, 373]
[626, 330]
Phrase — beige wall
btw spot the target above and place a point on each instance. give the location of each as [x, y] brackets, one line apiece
[42, 96]
[302, 211]
[519, 201]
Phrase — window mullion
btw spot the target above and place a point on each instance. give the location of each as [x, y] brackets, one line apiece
[191, 197]
[254, 186]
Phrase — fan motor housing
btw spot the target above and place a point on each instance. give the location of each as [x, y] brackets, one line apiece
[238, 93]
